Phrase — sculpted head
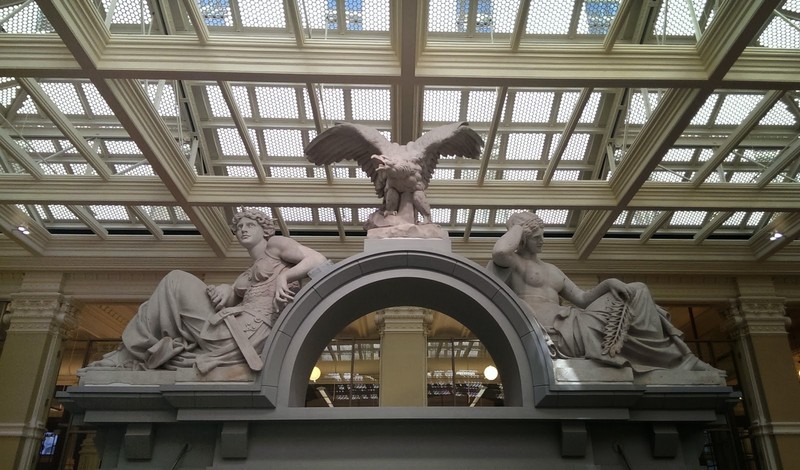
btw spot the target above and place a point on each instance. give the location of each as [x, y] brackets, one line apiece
[256, 215]
[532, 226]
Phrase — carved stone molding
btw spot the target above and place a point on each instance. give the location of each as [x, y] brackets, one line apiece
[406, 320]
[757, 316]
[39, 312]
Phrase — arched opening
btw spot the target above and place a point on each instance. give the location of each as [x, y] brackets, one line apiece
[458, 370]
[435, 281]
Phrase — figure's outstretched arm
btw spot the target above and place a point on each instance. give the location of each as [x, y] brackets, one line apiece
[583, 298]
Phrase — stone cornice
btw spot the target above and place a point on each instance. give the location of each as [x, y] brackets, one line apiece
[37, 312]
[757, 315]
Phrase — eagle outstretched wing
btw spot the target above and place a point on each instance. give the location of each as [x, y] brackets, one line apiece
[348, 141]
[451, 139]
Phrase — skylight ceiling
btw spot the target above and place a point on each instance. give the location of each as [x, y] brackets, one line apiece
[630, 131]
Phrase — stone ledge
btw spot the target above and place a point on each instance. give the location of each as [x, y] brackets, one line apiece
[100, 376]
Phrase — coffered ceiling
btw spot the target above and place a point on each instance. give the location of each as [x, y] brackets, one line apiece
[657, 136]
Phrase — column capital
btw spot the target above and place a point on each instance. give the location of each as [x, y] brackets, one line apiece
[757, 315]
[41, 312]
[404, 319]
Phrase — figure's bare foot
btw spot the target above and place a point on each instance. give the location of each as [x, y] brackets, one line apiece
[120, 358]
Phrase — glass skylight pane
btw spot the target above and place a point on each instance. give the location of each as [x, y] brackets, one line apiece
[779, 115]
[38, 145]
[230, 142]
[157, 213]
[28, 107]
[520, 175]
[679, 155]
[596, 16]
[216, 12]
[549, 17]
[242, 101]
[240, 171]
[374, 15]
[441, 105]
[122, 147]
[110, 213]
[469, 174]
[525, 146]
[444, 174]
[576, 148]
[326, 214]
[480, 105]
[781, 33]
[284, 142]
[97, 103]
[52, 168]
[643, 218]
[82, 169]
[566, 106]
[219, 108]
[675, 18]
[277, 102]
[166, 98]
[361, 174]
[331, 104]
[642, 106]
[532, 106]
[64, 96]
[462, 216]
[7, 95]
[371, 104]
[29, 20]
[128, 11]
[61, 212]
[135, 170]
[688, 218]
[665, 177]
[755, 219]
[621, 219]
[734, 220]
[262, 13]
[297, 214]
[590, 110]
[566, 175]
[763, 156]
[441, 215]
[288, 172]
[502, 215]
[553, 216]
[735, 108]
[444, 16]
[744, 177]
[364, 213]
[704, 113]
[481, 217]
[42, 214]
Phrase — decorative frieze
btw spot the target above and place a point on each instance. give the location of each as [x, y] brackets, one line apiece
[41, 312]
[756, 316]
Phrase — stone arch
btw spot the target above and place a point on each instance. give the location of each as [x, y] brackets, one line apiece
[439, 281]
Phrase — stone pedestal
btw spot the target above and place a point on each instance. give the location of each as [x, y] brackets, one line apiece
[29, 369]
[404, 340]
[757, 323]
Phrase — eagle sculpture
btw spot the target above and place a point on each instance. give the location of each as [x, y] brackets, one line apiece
[400, 173]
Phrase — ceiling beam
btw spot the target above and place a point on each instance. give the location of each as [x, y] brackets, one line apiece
[244, 133]
[35, 242]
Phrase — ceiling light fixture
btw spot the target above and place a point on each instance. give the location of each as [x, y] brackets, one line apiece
[490, 372]
[775, 235]
[315, 374]
[23, 229]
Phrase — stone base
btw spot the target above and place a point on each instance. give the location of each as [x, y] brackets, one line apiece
[679, 377]
[588, 371]
[409, 231]
[99, 376]
[374, 245]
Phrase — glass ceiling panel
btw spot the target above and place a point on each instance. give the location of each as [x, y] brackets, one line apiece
[26, 20]
[343, 18]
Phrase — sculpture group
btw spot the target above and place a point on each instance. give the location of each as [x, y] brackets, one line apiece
[187, 323]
